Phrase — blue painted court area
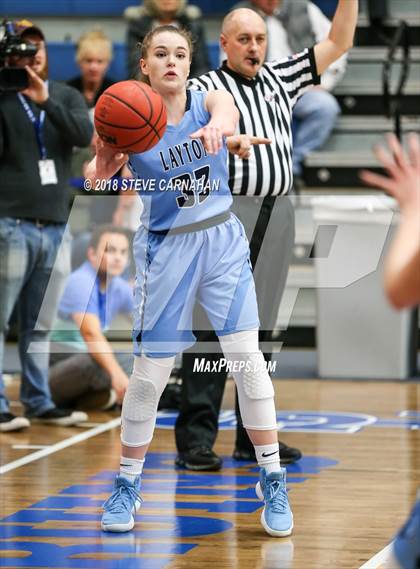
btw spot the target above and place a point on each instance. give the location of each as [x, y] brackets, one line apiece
[313, 421]
[170, 516]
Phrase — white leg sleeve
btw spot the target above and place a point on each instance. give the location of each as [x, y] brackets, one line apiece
[255, 389]
[147, 382]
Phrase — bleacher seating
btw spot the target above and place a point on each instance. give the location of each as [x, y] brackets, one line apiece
[359, 93]
[91, 7]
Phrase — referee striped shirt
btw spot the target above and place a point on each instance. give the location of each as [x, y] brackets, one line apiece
[265, 104]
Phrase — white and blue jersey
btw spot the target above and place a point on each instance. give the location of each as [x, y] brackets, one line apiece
[178, 181]
[206, 261]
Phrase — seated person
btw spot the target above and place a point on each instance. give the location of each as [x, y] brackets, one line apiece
[84, 370]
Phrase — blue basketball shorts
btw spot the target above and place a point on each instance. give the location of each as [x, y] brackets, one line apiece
[174, 272]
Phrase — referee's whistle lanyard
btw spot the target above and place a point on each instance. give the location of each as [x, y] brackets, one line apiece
[38, 125]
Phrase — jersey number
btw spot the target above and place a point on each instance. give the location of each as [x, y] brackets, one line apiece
[194, 189]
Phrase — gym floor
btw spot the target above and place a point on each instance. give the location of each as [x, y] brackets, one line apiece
[350, 492]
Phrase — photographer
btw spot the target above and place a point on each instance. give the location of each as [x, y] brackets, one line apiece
[38, 128]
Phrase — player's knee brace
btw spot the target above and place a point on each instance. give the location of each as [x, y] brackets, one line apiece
[147, 382]
[255, 388]
[256, 394]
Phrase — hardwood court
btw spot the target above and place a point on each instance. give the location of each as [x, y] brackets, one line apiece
[349, 494]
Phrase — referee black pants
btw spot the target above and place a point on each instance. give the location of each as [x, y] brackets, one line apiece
[270, 227]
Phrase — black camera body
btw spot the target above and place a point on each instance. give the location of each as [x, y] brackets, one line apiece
[12, 48]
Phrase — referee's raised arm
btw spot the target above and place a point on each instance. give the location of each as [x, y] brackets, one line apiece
[340, 38]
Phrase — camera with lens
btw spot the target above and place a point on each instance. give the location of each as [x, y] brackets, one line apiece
[13, 49]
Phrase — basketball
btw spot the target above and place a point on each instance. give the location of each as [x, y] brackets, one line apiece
[130, 116]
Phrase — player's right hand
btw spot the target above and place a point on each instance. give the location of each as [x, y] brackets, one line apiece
[108, 160]
[37, 89]
[403, 180]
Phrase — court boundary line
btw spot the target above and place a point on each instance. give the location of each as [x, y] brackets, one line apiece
[377, 561]
[32, 457]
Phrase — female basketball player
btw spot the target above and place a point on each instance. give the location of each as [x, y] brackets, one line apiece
[189, 249]
[402, 283]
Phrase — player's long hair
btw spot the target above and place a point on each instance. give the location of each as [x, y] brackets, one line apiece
[148, 38]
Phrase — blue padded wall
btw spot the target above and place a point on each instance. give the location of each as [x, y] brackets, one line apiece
[91, 7]
[62, 64]
[327, 6]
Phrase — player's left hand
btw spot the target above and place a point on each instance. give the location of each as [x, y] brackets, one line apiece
[211, 136]
[37, 90]
[241, 144]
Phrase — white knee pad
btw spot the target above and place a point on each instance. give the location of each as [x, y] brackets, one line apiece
[147, 382]
[256, 382]
[255, 388]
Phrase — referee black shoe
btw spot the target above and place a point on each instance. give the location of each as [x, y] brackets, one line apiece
[288, 455]
[60, 417]
[199, 458]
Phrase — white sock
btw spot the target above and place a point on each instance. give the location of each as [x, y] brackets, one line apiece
[268, 457]
[131, 467]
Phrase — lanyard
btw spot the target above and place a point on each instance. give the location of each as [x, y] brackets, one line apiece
[38, 125]
[102, 307]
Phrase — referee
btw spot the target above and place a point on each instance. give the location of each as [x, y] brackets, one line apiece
[265, 94]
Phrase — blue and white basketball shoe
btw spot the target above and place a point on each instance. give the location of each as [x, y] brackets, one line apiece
[276, 517]
[122, 505]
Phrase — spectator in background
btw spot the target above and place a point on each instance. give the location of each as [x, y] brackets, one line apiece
[93, 56]
[291, 27]
[38, 129]
[95, 293]
[153, 13]
[402, 285]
